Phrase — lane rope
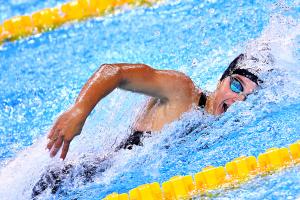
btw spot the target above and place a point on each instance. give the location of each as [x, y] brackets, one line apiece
[51, 18]
[211, 178]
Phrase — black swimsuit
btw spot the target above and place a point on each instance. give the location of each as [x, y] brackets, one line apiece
[53, 178]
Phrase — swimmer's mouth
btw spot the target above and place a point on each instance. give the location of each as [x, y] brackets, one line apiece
[225, 107]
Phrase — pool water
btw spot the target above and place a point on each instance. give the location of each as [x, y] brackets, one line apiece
[41, 76]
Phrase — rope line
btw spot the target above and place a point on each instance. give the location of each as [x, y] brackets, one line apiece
[50, 18]
[211, 178]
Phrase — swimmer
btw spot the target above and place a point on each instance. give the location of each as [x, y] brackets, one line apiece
[171, 93]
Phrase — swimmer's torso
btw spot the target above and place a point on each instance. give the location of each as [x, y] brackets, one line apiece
[157, 113]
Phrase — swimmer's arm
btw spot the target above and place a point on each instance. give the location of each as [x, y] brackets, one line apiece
[167, 85]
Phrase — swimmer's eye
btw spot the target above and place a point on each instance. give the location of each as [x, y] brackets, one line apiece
[235, 85]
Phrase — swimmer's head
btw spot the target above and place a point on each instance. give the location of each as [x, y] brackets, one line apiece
[238, 81]
[238, 66]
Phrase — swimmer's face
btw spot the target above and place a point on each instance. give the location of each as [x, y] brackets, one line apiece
[224, 95]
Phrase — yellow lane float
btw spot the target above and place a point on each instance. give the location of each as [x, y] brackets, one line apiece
[46, 19]
[295, 151]
[147, 191]
[211, 178]
[18, 26]
[49, 18]
[241, 168]
[178, 187]
[115, 196]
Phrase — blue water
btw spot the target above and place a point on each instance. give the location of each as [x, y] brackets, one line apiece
[41, 76]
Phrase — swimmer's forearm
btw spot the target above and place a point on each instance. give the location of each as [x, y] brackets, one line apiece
[137, 78]
[103, 82]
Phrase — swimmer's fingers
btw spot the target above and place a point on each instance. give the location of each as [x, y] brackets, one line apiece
[50, 144]
[52, 136]
[56, 146]
[52, 131]
[65, 149]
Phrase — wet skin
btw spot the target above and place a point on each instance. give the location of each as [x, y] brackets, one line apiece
[171, 93]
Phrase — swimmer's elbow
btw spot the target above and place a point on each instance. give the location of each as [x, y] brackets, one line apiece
[110, 70]
[128, 73]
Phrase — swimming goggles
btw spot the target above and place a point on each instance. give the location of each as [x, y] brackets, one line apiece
[235, 85]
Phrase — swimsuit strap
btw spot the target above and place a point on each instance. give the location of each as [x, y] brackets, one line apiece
[202, 100]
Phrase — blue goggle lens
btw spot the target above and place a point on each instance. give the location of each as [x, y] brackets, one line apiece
[236, 86]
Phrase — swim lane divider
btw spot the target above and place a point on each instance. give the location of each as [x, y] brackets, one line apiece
[211, 178]
[50, 18]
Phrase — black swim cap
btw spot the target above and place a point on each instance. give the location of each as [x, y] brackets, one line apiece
[235, 68]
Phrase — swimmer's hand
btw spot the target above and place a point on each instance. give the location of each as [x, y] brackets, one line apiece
[68, 125]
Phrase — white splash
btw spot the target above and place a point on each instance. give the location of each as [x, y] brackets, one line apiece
[277, 43]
